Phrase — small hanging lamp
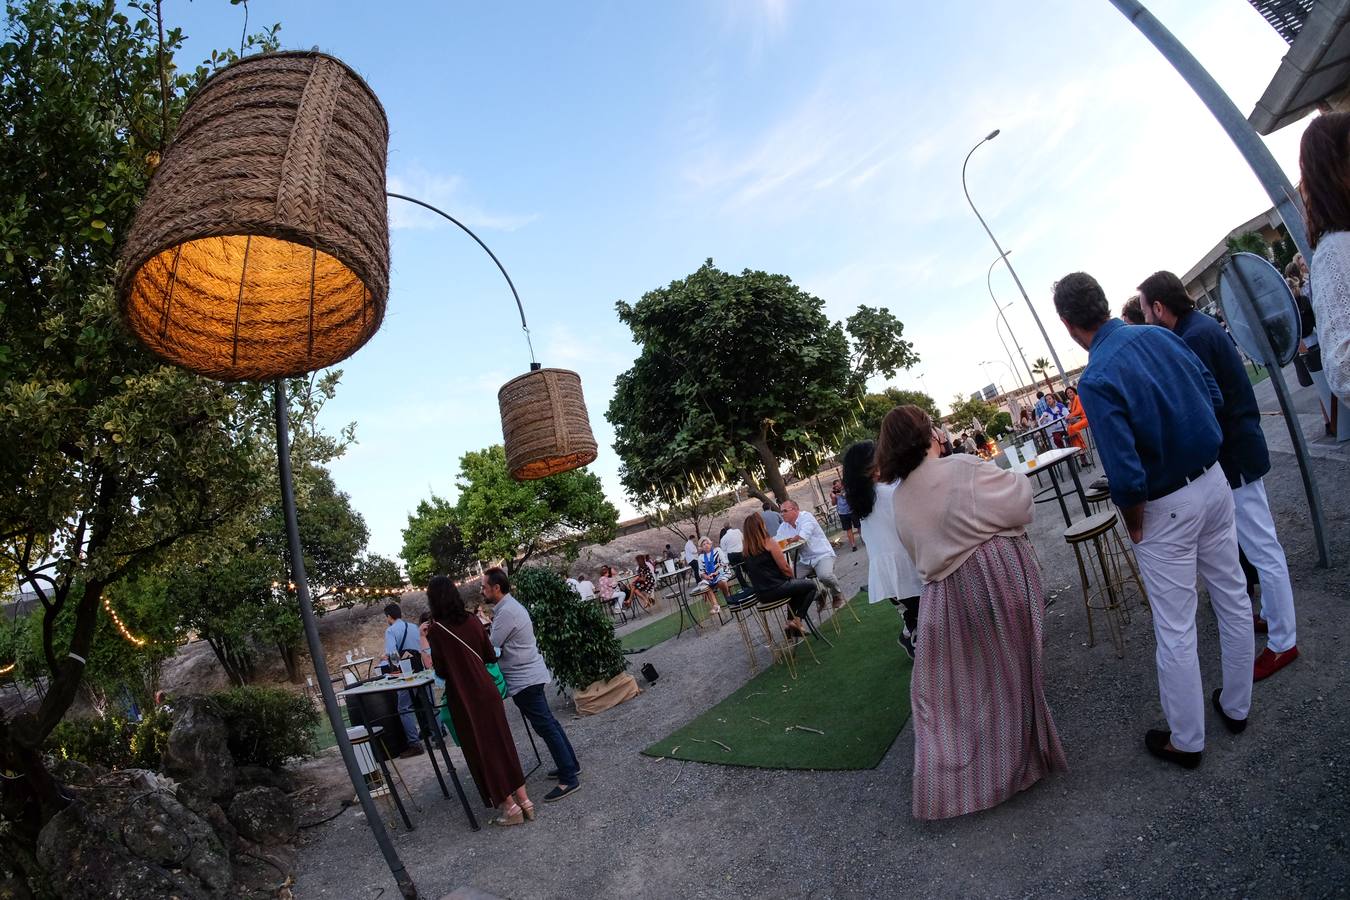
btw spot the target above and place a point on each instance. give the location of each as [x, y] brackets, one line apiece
[544, 424]
[261, 249]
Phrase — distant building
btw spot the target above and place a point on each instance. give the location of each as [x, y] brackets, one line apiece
[1315, 73]
[1202, 281]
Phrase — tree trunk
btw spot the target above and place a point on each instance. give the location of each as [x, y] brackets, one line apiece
[771, 473]
[753, 489]
[290, 656]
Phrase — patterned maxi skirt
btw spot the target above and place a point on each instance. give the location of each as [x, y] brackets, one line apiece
[982, 728]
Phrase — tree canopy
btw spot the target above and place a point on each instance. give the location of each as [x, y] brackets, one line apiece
[738, 373]
[500, 518]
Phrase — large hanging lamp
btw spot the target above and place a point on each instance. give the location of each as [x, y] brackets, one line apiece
[261, 249]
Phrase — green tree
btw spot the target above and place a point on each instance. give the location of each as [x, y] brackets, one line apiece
[1249, 242]
[872, 408]
[434, 542]
[737, 375]
[514, 520]
[966, 411]
[576, 639]
[1043, 365]
[110, 456]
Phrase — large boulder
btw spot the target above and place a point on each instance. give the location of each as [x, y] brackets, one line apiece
[129, 836]
[198, 752]
[263, 815]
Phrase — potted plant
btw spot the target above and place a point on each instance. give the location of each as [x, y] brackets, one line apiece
[578, 642]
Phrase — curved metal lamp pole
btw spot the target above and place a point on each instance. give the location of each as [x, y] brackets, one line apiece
[509, 283]
[1004, 256]
[989, 283]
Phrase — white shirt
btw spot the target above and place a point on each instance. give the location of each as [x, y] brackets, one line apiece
[586, 589]
[808, 529]
[690, 551]
[890, 571]
[733, 541]
[1329, 293]
[575, 586]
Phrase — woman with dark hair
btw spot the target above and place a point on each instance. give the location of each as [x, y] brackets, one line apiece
[982, 727]
[644, 582]
[460, 652]
[1324, 160]
[890, 572]
[771, 574]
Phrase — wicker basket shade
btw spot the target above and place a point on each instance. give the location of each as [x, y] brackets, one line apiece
[262, 247]
[544, 424]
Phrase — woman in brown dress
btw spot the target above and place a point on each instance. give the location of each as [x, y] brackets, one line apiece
[460, 651]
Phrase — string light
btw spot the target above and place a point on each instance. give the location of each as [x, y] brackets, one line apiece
[7, 669]
[121, 626]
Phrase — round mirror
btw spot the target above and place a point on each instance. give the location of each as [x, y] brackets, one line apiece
[1254, 295]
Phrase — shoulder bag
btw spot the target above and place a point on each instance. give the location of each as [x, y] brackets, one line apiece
[494, 671]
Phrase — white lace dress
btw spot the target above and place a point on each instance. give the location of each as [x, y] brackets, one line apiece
[1329, 292]
[890, 571]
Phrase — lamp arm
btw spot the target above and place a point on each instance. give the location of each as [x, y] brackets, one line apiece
[509, 283]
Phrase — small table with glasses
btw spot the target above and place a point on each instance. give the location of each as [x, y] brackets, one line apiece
[1048, 463]
[419, 686]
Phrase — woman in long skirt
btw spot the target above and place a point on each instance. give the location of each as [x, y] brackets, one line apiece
[460, 652]
[982, 728]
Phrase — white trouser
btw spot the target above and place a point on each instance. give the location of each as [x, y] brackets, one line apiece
[823, 570]
[1256, 534]
[1187, 531]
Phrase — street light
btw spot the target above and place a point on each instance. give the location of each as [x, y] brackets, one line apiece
[1004, 256]
[989, 283]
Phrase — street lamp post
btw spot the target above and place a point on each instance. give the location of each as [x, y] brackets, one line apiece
[1004, 256]
[989, 283]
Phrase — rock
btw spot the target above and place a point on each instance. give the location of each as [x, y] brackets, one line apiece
[263, 815]
[198, 754]
[212, 814]
[129, 836]
[260, 776]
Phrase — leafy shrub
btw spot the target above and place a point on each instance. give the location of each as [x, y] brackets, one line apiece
[267, 725]
[999, 425]
[113, 742]
[577, 638]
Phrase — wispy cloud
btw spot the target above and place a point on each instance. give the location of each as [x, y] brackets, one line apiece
[449, 193]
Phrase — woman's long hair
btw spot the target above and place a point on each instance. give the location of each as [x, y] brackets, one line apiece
[906, 434]
[860, 488]
[1325, 186]
[756, 536]
[446, 604]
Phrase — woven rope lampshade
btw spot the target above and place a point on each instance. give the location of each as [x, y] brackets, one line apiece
[544, 424]
[262, 247]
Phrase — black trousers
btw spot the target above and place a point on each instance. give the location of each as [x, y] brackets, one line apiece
[799, 591]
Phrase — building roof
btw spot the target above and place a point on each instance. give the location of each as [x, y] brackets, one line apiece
[1316, 66]
[1268, 219]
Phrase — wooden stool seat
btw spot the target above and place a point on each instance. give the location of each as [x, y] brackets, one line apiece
[1091, 527]
[1109, 574]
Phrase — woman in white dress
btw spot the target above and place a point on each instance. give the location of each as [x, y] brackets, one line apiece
[890, 572]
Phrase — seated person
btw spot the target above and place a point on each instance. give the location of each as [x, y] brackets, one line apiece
[611, 590]
[714, 572]
[770, 574]
[644, 583]
[583, 586]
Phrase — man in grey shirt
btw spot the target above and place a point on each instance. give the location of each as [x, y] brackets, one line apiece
[772, 520]
[526, 674]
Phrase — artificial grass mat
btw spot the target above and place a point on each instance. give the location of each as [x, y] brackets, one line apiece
[858, 696]
[662, 629]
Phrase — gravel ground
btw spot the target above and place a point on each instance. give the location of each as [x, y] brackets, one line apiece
[1265, 815]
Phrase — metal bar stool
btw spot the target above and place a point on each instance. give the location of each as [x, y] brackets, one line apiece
[370, 758]
[1098, 501]
[1106, 588]
[773, 620]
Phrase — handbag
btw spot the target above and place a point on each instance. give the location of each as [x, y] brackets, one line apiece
[494, 671]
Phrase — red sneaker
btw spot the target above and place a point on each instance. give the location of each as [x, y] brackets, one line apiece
[1268, 662]
[1259, 625]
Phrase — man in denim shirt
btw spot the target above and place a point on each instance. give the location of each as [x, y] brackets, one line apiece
[1243, 456]
[1152, 407]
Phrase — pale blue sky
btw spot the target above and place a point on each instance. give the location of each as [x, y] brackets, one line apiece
[605, 149]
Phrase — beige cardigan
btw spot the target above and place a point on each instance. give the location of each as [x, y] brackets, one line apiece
[946, 508]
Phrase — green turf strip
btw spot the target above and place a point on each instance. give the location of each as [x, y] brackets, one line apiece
[662, 629]
[858, 696]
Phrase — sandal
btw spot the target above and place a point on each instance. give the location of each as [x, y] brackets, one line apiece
[793, 631]
[527, 809]
[506, 819]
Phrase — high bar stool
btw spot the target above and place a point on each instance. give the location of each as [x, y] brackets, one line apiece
[370, 759]
[783, 648]
[1107, 584]
[1098, 501]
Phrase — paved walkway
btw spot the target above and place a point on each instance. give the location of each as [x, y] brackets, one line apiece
[1265, 815]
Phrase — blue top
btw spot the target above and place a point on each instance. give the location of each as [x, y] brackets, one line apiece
[841, 504]
[1244, 456]
[401, 636]
[1152, 407]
